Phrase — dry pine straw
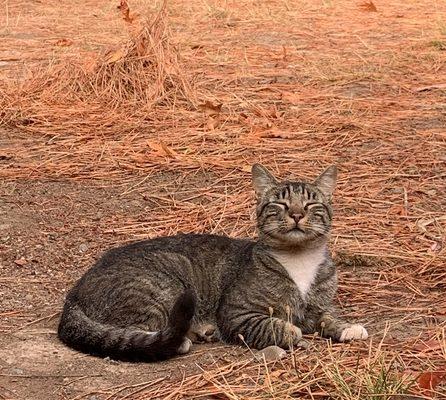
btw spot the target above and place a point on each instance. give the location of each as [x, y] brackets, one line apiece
[341, 87]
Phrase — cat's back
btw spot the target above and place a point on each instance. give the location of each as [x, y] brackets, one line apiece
[205, 248]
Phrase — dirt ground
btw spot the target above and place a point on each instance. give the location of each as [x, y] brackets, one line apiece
[345, 84]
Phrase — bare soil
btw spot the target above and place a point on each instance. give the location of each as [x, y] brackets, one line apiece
[297, 85]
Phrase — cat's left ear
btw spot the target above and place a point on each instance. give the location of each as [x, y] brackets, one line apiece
[326, 181]
[262, 179]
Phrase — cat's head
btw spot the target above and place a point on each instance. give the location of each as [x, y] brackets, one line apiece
[293, 213]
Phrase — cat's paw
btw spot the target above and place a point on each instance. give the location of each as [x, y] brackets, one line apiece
[353, 332]
[185, 346]
[203, 333]
[292, 336]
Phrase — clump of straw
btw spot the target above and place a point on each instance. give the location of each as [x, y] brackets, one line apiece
[141, 75]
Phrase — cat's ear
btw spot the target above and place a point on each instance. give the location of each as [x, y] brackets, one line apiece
[262, 179]
[326, 181]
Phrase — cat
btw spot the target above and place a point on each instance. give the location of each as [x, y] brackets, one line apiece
[149, 300]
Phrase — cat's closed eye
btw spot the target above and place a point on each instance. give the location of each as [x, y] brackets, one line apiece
[308, 206]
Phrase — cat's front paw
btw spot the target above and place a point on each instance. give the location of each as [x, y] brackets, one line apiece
[185, 346]
[292, 336]
[353, 332]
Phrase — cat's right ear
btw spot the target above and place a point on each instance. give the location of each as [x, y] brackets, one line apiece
[262, 179]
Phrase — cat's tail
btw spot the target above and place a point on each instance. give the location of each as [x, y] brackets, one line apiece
[78, 331]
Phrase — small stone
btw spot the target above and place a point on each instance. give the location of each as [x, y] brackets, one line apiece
[83, 248]
[303, 344]
[110, 360]
[271, 353]
[17, 371]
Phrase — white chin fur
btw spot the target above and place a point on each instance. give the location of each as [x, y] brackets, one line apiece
[354, 332]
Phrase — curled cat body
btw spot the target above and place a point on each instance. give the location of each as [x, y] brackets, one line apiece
[149, 300]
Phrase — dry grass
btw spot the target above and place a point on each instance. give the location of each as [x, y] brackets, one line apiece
[302, 84]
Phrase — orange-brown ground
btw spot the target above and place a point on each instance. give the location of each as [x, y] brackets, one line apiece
[302, 84]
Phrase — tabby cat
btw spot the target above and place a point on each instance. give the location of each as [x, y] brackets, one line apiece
[151, 299]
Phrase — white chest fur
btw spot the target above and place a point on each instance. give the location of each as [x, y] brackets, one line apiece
[302, 266]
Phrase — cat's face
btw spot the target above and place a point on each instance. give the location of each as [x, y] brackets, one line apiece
[293, 213]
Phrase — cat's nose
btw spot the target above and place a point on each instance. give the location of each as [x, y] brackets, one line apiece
[297, 217]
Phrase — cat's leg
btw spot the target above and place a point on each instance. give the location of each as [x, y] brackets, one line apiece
[340, 331]
[259, 330]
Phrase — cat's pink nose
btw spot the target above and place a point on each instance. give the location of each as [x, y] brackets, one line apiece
[297, 217]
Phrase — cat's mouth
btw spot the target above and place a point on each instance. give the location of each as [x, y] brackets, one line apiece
[297, 228]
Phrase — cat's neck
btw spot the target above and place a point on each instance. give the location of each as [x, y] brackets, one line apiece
[302, 265]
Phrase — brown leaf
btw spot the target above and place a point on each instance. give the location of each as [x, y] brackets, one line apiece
[430, 380]
[125, 11]
[141, 46]
[428, 345]
[64, 42]
[162, 149]
[276, 133]
[21, 261]
[436, 247]
[268, 112]
[292, 98]
[212, 122]
[114, 56]
[210, 109]
[278, 373]
[368, 6]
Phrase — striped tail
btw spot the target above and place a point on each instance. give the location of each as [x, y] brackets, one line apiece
[78, 331]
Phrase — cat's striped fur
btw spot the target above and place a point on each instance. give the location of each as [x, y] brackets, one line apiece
[143, 301]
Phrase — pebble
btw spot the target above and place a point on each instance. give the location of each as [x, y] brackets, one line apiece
[17, 371]
[271, 353]
[83, 248]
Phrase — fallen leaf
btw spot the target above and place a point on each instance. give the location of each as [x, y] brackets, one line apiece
[268, 112]
[125, 11]
[64, 42]
[278, 373]
[398, 209]
[293, 98]
[436, 246]
[277, 133]
[114, 56]
[422, 223]
[428, 345]
[212, 122]
[368, 6]
[21, 261]
[210, 109]
[141, 46]
[162, 149]
[430, 87]
[430, 380]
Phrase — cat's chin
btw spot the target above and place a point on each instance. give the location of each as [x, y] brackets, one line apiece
[295, 239]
